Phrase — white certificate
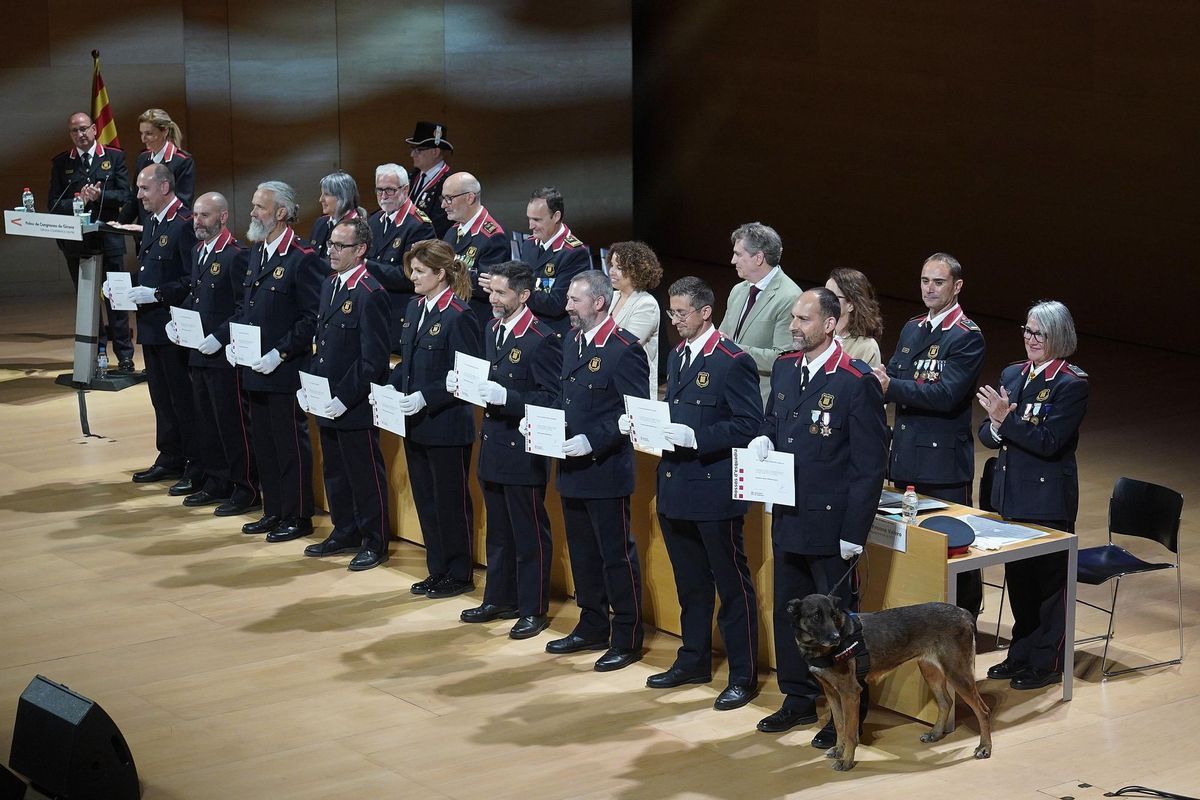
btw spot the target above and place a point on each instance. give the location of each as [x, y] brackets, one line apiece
[187, 323]
[472, 372]
[650, 420]
[385, 411]
[247, 345]
[121, 285]
[547, 431]
[770, 481]
[316, 389]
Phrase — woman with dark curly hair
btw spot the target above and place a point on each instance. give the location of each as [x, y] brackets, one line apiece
[860, 326]
[634, 270]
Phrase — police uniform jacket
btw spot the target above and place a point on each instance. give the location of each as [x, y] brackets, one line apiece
[1036, 475]
[352, 345]
[837, 431]
[934, 378]
[527, 365]
[594, 384]
[323, 228]
[166, 265]
[718, 398]
[281, 296]
[553, 268]
[391, 237]
[480, 247]
[67, 176]
[182, 167]
[427, 350]
[216, 285]
[429, 200]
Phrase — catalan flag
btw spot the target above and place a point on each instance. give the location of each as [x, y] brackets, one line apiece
[106, 126]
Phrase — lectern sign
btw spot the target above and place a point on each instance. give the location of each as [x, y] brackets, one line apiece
[45, 226]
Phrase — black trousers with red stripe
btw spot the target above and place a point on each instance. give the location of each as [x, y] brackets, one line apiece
[174, 417]
[439, 485]
[1037, 594]
[519, 551]
[283, 452]
[706, 555]
[604, 566]
[356, 487]
[222, 409]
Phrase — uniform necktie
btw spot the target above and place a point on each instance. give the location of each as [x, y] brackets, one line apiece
[803, 378]
[87, 161]
[687, 360]
[754, 292]
[499, 337]
[333, 294]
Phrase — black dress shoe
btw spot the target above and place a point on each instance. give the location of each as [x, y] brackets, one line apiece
[735, 695]
[367, 559]
[423, 587]
[676, 676]
[450, 587]
[125, 365]
[235, 506]
[157, 473]
[1005, 670]
[617, 658]
[329, 547]
[787, 718]
[202, 498]
[574, 643]
[528, 627]
[488, 612]
[291, 529]
[1035, 678]
[184, 486]
[266, 524]
[827, 736]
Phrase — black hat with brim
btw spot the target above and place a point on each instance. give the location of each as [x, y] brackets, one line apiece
[430, 134]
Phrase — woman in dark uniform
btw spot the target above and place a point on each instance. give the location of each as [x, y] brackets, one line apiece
[162, 139]
[339, 203]
[1033, 420]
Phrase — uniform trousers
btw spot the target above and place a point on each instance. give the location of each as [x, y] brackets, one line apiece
[356, 487]
[970, 584]
[605, 569]
[283, 453]
[439, 486]
[221, 409]
[705, 554]
[174, 416]
[519, 552]
[1037, 594]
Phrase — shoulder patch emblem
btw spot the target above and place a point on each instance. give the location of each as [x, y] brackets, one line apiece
[162, 240]
[106, 164]
[1079, 373]
[347, 306]
[573, 242]
[489, 228]
[702, 380]
[514, 355]
[594, 364]
[278, 273]
[215, 269]
[826, 401]
[421, 215]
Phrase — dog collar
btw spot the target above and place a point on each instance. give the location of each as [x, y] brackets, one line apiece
[848, 647]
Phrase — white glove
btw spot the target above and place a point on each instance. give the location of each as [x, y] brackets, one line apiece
[452, 381]
[760, 446]
[106, 290]
[411, 403]
[335, 409]
[849, 549]
[577, 445]
[680, 435]
[268, 363]
[523, 426]
[209, 346]
[493, 393]
[142, 295]
[172, 331]
[230, 355]
[302, 399]
[624, 424]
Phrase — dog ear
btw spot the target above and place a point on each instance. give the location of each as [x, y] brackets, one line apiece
[793, 606]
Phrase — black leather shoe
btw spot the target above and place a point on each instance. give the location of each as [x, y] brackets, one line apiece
[235, 506]
[125, 365]
[449, 587]
[735, 695]
[528, 627]
[264, 525]
[1034, 678]
[202, 498]
[488, 612]
[676, 676]
[1005, 670]
[422, 587]
[329, 547]
[367, 559]
[787, 718]
[617, 658]
[574, 643]
[183, 486]
[827, 736]
[157, 473]
[291, 529]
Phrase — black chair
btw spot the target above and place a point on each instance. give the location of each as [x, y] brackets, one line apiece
[985, 504]
[1145, 511]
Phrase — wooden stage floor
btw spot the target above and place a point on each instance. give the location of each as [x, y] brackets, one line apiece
[238, 669]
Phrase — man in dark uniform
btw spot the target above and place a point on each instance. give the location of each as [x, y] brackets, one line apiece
[713, 394]
[280, 296]
[827, 410]
[477, 238]
[601, 364]
[526, 357]
[99, 175]
[554, 255]
[398, 225]
[430, 170]
[932, 378]
[218, 271]
[352, 353]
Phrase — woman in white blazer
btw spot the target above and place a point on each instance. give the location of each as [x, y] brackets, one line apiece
[634, 270]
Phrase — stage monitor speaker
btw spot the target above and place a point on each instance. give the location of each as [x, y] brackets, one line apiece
[69, 748]
[11, 787]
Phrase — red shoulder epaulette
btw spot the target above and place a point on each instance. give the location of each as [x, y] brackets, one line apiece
[919, 317]
[791, 354]
[302, 248]
[617, 333]
[730, 353]
[456, 305]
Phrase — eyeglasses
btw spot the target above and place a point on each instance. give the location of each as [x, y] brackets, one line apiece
[447, 199]
[681, 316]
[1037, 336]
[386, 191]
[339, 247]
[80, 129]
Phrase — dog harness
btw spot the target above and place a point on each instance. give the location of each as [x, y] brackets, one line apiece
[848, 647]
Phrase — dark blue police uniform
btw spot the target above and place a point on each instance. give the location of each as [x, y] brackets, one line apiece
[391, 237]
[553, 268]
[481, 246]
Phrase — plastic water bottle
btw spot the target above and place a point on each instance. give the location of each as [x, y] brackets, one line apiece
[908, 506]
[102, 366]
[27, 199]
[77, 207]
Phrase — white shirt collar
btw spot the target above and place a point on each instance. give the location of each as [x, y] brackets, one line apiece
[557, 232]
[272, 245]
[766, 279]
[819, 362]
[471, 222]
[157, 158]
[430, 302]
[697, 347]
[936, 322]
[429, 173]
[589, 335]
[162, 212]
[91, 151]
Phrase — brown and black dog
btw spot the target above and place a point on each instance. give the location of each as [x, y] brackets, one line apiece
[940, 636]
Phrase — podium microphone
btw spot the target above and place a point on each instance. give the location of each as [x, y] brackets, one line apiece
[63, 194]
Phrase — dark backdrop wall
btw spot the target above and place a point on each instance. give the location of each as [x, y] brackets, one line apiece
[531, 95]
[1050, 146]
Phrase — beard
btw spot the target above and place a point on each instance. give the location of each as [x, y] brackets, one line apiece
[257, 231]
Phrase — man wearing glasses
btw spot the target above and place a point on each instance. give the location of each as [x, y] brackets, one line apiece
[932, 378]
[430, 170]
[397, 227]
[478, 240]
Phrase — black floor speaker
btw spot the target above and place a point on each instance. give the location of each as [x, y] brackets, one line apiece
[69, 748]
[11, 787]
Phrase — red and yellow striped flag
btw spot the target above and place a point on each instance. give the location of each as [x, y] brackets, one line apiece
[106, 126]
